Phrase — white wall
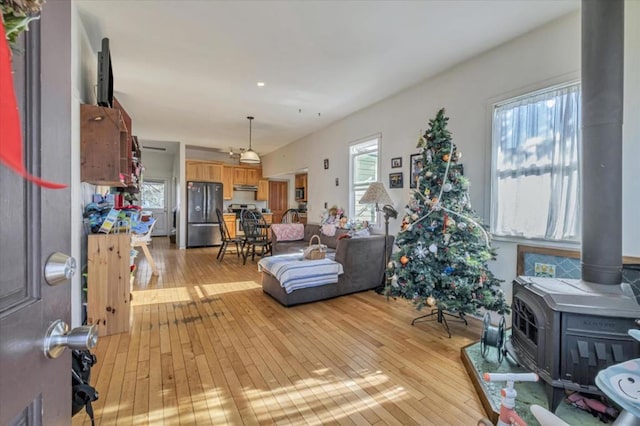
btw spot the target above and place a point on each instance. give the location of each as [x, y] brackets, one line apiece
[545, 56]
[83, 77]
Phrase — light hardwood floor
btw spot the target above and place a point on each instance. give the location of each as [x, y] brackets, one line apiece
[208, 347]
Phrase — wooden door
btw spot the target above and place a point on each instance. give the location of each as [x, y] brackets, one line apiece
[278, 198]
[34, 223]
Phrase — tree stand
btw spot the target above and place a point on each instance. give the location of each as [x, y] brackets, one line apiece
[439, 316]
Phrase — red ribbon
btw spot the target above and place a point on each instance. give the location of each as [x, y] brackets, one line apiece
[10, 135]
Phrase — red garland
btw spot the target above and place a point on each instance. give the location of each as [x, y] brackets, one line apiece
[10, 137]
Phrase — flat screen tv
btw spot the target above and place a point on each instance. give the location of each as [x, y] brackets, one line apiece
[105, 76]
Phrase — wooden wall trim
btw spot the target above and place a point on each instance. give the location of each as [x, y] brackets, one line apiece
[552, 251]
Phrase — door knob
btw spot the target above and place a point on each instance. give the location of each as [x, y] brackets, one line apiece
[59, 337]
[59, 268]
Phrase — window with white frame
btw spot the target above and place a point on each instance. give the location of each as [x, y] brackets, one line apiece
[363, 157]
[536, 171]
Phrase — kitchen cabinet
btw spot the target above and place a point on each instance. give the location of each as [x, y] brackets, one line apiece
[203, 171]
[301, 182]
[246, 175]
[105, 146]
[108, 282]
[253, 176]
[227, 182]
[263, 190]
[230, 221]
[239, 176]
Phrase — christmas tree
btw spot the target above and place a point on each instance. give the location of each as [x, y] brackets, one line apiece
[443, 247]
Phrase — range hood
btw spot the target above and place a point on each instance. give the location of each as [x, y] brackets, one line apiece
[250, 188]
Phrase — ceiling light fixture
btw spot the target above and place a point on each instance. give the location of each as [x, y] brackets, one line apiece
[260, 84]
[249, 156]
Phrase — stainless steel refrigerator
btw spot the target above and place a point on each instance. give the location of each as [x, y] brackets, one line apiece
[203, 228]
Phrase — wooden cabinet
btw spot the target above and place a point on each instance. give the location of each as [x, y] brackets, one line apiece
[105, 147]
[301, 182]
[227, 182]
[108, 282]
[253, 176]
[230, 221]
[203, 171]
[246, 175]
[239, 176]
[263, 190]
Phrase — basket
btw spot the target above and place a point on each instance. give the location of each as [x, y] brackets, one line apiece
[315, 251]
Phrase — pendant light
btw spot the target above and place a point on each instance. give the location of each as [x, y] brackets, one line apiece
[249, 156]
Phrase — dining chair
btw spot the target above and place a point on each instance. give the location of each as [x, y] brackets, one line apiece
[227, 239]
[256, 234]
[290, 216]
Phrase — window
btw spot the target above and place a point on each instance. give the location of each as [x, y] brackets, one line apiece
[152, 195]
[536, 172]
[363, 157]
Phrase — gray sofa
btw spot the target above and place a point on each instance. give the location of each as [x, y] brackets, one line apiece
[362, 260]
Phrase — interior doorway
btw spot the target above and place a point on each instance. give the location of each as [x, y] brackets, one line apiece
[154, 195]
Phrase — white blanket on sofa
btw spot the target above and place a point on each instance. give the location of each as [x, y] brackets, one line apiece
[294, 273]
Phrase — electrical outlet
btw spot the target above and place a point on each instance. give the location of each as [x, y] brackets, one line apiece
[337, 181]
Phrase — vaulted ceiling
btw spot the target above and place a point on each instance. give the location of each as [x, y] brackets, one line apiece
[188, 70]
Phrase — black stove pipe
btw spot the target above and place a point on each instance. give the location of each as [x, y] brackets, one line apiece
[602, 105]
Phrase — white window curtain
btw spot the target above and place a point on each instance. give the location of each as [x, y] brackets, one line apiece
[536, 173]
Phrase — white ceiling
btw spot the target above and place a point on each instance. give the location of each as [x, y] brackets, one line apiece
[187, 70]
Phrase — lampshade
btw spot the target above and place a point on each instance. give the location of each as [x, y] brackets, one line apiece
[250, 156]
[376, 194]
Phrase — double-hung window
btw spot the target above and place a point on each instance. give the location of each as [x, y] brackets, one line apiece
[363, 157]
[536, 170]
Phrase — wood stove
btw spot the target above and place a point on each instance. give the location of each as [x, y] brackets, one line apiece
[568, 330]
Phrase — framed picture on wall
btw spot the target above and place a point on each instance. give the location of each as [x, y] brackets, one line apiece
[396, 162]
[395, 180]
[416, 169]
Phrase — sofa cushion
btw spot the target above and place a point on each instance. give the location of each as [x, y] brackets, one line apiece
[288, 231]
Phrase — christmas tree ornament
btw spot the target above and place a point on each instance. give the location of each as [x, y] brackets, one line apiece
[445, 158]
[391, 265]
[431, 301]
[404, 260]
[447, 187]
[448, 270]
[415, 216]
[433, 248]
[458, 155]
[428, 174]
[420, 251]
[462, 226]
